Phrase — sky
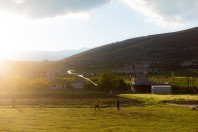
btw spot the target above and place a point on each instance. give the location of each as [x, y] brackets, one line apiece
[74, 24]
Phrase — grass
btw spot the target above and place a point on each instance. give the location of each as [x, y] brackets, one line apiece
[157, 99]
[136, 118]
[76, 113]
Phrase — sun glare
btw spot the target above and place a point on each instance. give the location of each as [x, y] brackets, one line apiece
[5, 55]
[10, 32]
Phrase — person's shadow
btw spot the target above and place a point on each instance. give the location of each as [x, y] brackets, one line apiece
[19, 110]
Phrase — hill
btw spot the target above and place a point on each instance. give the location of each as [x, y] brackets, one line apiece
[156, 54]
[162, 52]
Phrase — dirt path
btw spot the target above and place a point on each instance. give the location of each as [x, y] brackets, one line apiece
[193, 106]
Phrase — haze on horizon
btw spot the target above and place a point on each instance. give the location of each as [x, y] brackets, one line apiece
[27, 25]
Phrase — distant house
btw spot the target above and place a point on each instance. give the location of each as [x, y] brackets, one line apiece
[141, 89]
[128, 68]
[78, 83]
[141, 65]
[48, 75]
[140, 84]
[59, 85]
[186, 63]
[141, 80]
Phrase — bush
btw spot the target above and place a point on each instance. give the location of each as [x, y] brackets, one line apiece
[111, 82]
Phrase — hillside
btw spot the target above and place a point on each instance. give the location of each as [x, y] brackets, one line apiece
[170, 51]
[157, 54]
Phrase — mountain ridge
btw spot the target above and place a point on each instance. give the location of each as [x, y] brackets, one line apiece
[168, 49]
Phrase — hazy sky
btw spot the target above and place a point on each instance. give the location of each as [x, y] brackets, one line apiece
[73, 24]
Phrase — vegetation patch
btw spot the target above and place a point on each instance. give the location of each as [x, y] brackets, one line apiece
[158, 99]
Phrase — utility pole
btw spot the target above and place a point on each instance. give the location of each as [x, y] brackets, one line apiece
[188, 81]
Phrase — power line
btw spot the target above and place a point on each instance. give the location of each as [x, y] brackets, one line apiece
[193, 71]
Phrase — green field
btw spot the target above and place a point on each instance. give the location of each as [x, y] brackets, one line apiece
[61, 118]
[157, 99]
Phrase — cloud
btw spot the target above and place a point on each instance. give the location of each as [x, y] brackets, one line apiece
[166, 12]
[49, 8]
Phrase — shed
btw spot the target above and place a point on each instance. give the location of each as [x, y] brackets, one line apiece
[141, 89]
[161, 89]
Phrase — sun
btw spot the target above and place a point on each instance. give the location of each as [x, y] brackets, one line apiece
[9, 36]
[5, 55]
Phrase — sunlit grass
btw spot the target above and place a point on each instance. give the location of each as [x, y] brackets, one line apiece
[135, 118]
[155, 99]
[78, 114]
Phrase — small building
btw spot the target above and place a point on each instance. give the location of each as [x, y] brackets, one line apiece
[141, 80]
[50, 76]
[141, 65]
[161, 89]
[141, 89]
[140, 84]
[128, 68]
[78, 83]
[186, 63]
[59, 84]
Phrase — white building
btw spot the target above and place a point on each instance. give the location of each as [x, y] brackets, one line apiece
[78, 83]
[161, 89]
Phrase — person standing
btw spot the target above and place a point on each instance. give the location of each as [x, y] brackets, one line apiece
[118, 104]
[97, 105]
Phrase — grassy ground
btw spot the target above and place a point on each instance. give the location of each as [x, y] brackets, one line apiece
[157, 99]
[135, 118]
[76, 113]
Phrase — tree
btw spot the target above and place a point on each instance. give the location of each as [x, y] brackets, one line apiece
[39, 84]
[122, 86]
[108, 81]
[19, 83]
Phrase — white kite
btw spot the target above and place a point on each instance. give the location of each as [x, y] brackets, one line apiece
[73, 72]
